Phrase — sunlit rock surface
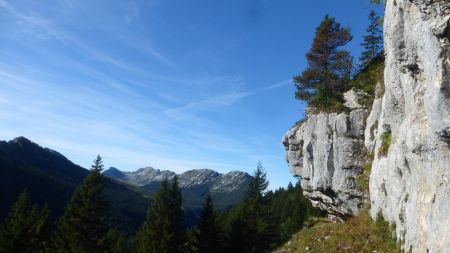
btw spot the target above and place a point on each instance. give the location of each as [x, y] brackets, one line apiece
[327, 152]
[410, 185]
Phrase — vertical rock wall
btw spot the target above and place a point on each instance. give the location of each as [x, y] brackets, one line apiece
[327, 152]
[409, 184]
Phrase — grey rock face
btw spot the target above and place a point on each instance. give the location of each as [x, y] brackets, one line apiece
[372, 124]
[144, 176]
[226, 189]
[351, 98]
[231, 182]
[217, 182]
[410, 185]
[196, 178]
[327, 152]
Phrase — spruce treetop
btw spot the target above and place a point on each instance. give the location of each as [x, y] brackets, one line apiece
[373, 40]
[98, 164]
[323, 82]
[83, 227]
[162, 231]
[26, 228]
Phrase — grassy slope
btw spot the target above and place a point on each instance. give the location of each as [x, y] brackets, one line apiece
[358, 234]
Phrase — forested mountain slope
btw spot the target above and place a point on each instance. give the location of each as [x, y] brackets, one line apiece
[50, 178]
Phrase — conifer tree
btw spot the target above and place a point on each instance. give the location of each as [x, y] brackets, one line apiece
[329, 66]
[116, 241]
[162, 231]
[254, 230]
[293, 211]
[373, 40]
[258, 186]
[83, 226]
[26, 228]
[238, 240]
[209, 236]
[177, 215]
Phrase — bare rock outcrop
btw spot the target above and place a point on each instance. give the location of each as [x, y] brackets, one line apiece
[409, 182]
[327, 152]
[407, 130]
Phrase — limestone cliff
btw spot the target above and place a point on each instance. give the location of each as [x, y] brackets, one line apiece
[407, 129]
[409, 182]
[327, 152]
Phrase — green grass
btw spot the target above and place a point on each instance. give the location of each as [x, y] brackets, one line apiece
[316, 105]
[368, 77]
[363, 178]
[358, 234]
[386, 141]
[365, 80]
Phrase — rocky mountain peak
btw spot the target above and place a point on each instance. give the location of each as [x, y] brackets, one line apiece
[34, 149]
[140, 177]
[115, 173]
[225, 189]
[192, 178]
[197, 182]
[20, 140]
[230, 181]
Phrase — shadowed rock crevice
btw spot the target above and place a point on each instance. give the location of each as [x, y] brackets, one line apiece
[444, 135]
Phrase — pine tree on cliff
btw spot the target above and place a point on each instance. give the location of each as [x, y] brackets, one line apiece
[329, 66]
[209, 235]
[26, 228]
[83, 226]
[373, 40]
[162, 231]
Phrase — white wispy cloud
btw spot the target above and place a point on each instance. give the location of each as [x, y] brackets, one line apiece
[220, 101]
[74, 95]
[212, 103]
[97, 120]
[44, 28]
[159, 56]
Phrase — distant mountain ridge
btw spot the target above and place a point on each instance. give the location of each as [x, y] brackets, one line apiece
[226, 189]
[50, 178]
[192, 178]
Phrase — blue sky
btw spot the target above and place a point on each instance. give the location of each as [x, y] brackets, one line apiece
[172, 84]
